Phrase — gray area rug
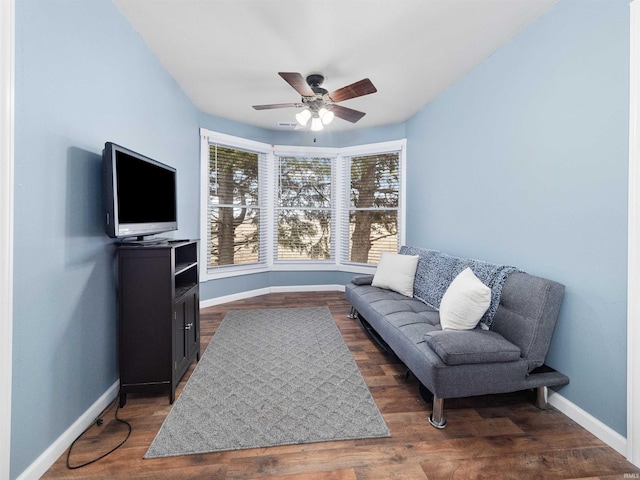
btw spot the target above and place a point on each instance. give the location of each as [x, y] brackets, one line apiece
[270, 377]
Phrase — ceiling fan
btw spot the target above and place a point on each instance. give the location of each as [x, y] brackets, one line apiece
[320, 104]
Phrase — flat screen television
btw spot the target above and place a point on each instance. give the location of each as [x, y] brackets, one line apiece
[139, 194]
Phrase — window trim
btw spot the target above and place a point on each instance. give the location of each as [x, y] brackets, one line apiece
[339, 156]
[392, 146]
[296, 152]
[207, 138]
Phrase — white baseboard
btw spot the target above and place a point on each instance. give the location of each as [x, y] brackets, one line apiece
[309, 288]
[232, 298]
[57, 448]
[263, 291]
[589, 422]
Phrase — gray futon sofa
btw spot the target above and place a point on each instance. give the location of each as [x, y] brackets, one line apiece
[504, 353]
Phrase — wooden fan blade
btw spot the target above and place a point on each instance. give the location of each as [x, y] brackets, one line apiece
[357, 89]
[348, 114]
[298, 82]
[276, 105]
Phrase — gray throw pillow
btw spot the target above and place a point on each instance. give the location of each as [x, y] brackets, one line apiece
[362, 280]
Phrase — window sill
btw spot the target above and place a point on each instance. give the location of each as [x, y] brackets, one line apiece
[232, 271]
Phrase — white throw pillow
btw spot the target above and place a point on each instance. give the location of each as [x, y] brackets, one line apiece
[464, 303]
[396, 272]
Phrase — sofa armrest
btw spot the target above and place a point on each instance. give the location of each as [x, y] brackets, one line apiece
[362, 280]
[471, 346]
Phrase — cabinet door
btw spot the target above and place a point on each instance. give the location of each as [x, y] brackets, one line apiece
[192, 323]
[180, 353]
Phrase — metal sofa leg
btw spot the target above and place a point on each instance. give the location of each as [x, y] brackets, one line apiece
[437, 418]
[541, 397]
[353, 314]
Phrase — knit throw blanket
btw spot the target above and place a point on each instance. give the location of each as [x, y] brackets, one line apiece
[436, 271]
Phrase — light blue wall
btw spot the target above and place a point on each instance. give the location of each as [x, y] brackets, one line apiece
[306, 138]
[247, 283]
[339, 138]
[238, 129]
[83, 77]
[524, 162]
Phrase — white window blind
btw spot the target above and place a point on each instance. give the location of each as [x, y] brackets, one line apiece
[304, 212]
[236, 213]
[372, 199]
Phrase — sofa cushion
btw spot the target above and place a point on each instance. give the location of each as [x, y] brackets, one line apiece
[396, 272]
[465, 302]
[471, 346]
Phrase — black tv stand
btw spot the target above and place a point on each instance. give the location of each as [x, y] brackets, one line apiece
[159, 316]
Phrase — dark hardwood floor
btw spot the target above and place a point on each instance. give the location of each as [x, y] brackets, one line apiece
[496, 437]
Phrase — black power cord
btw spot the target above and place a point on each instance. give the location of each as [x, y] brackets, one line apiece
[99, 421]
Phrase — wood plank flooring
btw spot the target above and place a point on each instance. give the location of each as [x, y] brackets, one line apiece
[496, 437]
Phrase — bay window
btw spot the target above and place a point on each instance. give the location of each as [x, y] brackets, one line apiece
[268, 207]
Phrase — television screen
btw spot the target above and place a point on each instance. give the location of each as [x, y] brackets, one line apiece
[140, 194]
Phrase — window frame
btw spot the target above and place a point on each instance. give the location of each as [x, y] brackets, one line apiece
[208, 138]
[317, 152]
[393, 146]
[269, 182]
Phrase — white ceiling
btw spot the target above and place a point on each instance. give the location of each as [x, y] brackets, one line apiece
[225, 54]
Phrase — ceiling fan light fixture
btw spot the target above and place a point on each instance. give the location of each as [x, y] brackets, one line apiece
[303, 117]
[316, 124]
[326, 116]
[321, 104]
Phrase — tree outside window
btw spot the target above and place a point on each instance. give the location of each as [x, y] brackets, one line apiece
[234, 207]
[304, 208]
[373, 206]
